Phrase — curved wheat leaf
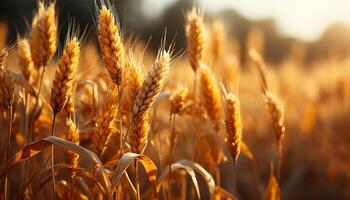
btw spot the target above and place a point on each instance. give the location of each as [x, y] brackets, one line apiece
[178, 166]
[201, 171]
[126, 160]
[35, 148]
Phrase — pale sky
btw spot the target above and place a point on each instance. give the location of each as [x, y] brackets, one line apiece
[304, 19]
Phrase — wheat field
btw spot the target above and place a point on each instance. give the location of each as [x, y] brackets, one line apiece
[113, 120]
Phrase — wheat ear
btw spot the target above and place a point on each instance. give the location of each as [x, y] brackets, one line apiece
[43, 35]
[3, 57]
[104, 124]
[65, 75]
[111, 45]
[210, 95]
[146, 96]
[135, 80]
[195, 38]
[152, 85]
[178, 100]
[25, 58]
[233, 126]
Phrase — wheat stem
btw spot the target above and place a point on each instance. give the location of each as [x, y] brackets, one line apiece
[8, 147]
[120, 122]
[52, 157]
[279, 166]
[172, 144]
[32, 120]
[234, 176]
[137, 179]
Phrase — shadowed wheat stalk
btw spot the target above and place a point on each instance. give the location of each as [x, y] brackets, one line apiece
[177, 103]
[7, 102]
[43, 45]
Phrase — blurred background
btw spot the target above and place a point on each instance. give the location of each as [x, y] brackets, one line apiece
[306, 44]
[321, 25]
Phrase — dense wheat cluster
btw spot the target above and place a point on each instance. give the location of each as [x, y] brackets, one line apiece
[127, 124]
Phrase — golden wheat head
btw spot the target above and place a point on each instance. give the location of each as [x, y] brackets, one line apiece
[3, 57]
[25, 58]
[210, 95]
[178, 100]
[233, 126]
[104, 123]
[195, 38]
[276, 111]
[152, 85]
[111, 45]
[43, 35]
[65, 75]
[7, 88]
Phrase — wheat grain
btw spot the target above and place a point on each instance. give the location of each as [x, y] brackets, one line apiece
[111, 45]
[7, 88]
[65, 75]
[276, 111]
[152, 85]
[134, 84]
[104, 123]
[72, 135]
[139, 134]
[43, 35]
[3, 57]
[195, 38]
[217, 41]
[25, 58]
[178, 100]
[233, 126]
[210, 95]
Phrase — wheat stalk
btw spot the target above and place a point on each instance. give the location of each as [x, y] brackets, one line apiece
[111, 45]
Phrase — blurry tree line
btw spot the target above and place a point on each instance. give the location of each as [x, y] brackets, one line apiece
[334, 42]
